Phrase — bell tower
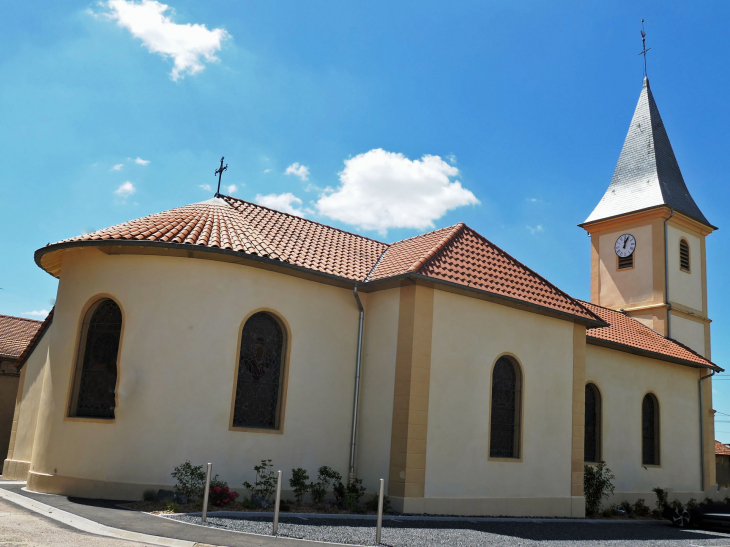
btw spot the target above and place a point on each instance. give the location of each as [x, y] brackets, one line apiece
[648, 237]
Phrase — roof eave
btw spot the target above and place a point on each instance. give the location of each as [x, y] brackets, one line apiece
[587, 224]
[651, 354]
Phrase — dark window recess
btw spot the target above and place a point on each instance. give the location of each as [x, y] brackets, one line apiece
[591, 450]
[684, 255]
[260, 373]
[504, 427]
[625, 262]
[95, 390]
[649, 431]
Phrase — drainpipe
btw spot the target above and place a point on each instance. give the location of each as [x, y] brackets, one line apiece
[357, 383]
[702, 435]
[666, 275]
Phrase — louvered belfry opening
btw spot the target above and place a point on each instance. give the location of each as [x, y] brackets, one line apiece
[683, 255]
[625, 262]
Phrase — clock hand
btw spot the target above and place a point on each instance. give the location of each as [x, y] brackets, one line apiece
[625, 241]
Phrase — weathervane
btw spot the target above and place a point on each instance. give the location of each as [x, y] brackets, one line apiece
[643, 43]
[219, 172]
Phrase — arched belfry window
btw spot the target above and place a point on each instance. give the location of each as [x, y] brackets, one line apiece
[684, 255]
[592, 436]
[260, 378]
[95, 378]
[504, 430]
[650, 430]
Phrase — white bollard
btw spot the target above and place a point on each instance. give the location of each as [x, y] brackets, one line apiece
[207, 490]
[276, 505]
[379, 528]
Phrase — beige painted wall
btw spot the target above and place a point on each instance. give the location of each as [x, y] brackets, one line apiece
[685, 288]
[32, 384]
[690, 333]
[181, 325]
[630, 286]
[623, 379]
[380, 341]
[8, 395]
[469, 335]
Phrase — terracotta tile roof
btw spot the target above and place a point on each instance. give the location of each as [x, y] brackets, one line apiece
[455, 254]
[15, 333]
[722, 449]
[460, 255]
[30, 346]
[626, 331]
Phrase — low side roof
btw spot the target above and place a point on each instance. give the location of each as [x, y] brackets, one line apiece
[15, 333]
[722, 449]
[33, 342]
[624, 332]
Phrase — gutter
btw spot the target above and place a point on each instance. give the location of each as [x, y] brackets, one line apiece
[356, 403]
[702, 435]
[666, 275]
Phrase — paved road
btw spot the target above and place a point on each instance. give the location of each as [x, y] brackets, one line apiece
[19, 527]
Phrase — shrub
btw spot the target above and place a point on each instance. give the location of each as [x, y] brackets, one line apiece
[641, 509]
[285, 505]
[171, 506]
[149, 495]
[627, 508]
[372, 504]
[726, 501]
[219, 494]
[265, 484]
[707, 501]
[298, 482]
[662, 498]
[691, 504]
[190, 480]
[348, 496]
[325, 476]
[610, 511]
[597, 484]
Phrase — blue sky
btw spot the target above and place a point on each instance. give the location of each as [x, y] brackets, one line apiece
[526, 105]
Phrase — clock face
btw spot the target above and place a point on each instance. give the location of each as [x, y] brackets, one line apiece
[625, 245]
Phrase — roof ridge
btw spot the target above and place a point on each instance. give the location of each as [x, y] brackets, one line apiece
[304, 219]
[21, 318]
[448, 238]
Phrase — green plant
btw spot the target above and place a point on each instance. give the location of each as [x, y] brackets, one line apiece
[707, 501]
[372, 504]
[662, 498]
[349, 495]
[219, 494]
[190, 480]
[149, 495]
[597, 485]
[641, 509]
[325, 476]
[171, 506]
[627, 508]
[265, 484]
[726, 501]
[611, 511]
[250, 505]
[298, 482]
[691, 504]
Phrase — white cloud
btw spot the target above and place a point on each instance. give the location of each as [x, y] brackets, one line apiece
[37, 313]
[533, 200]
[125, 190]
[301, 171]
[117, 167]
[231, 188]
[288, 203]
[189, 45]
[451, 158]
[536, 229]
[205, 187]
[381, 190]
[267, 171]
[140, 161]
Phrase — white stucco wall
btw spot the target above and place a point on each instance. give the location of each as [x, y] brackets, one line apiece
[469, 335]
[176, 371]
[623, 380]
[630, 286]
[684, 287]
[690, 333]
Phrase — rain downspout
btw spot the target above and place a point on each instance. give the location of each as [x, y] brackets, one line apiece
[357, 384]
[702, 435]
[666, 275]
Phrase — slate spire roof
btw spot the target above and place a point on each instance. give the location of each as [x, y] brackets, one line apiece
[647, 173]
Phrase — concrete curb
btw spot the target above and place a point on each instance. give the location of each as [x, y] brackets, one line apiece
[89, 526]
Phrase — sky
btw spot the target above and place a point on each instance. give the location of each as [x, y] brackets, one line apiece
[383, 118]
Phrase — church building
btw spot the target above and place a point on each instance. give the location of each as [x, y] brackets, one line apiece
[227, 332]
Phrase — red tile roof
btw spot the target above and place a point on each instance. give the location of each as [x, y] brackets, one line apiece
[722, 449]
[30, 346]
[15, 333]
[626, 331]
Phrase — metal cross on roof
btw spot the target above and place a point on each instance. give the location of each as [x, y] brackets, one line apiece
[219, 172]
[643, 43]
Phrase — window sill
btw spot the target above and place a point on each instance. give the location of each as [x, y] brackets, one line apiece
[510, 460]
[89, 420]
[256, 430]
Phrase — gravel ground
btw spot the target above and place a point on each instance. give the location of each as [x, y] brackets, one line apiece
[475, 534]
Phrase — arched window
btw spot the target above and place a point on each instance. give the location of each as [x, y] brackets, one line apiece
[650, 430]
[683, 255]
[504, 431]
[95, 379]
[260, 378]
[592, 437]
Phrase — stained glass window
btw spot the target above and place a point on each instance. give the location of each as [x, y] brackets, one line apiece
[650, 430]
[96, 373]
[504, 433]
[592, 437]
[260, 373]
